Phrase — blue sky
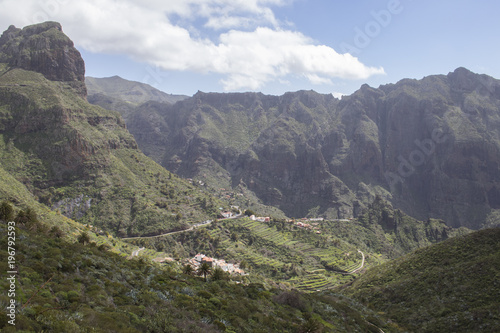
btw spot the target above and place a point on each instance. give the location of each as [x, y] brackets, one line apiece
[273, 46]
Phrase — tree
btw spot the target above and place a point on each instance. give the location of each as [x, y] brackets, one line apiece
[26, 217]
[204, 269]
[234, 237]
[243, 264]
[28, 220]
[187, 269]
[311, 325]
[249, 212]
[219, 274]
[83, 238]
[56, 232]
[6, 211]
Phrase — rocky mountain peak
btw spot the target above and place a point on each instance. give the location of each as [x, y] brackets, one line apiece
[44, 48]
[463, 79]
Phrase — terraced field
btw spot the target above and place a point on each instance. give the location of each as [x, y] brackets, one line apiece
[278, 250]
[314, 282]
[252, 256]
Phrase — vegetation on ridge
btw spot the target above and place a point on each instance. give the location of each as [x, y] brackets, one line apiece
[453, 286]
[309, 259]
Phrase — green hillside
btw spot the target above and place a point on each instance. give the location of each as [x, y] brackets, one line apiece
[75, 183]
[309, 259]
[78, 158]
[453, 286]
[66, 286]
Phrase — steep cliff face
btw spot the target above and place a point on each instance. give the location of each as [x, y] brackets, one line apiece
[45, 49]
[270, 145]
[442, 148]
[430, 146]
[76, 157]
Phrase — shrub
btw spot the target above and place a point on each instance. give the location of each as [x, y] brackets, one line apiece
[220, 325]
[73, 296]
[215, 301]
[205, 294]
[83, 238]
[293, 299]
[6, 211]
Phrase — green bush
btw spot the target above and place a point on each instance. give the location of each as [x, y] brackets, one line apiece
[205, 294]
[73, 296]
[83, 238]
[6, 211]
[215, 301]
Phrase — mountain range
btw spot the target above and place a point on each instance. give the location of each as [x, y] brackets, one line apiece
[384, 177]
[429, 146]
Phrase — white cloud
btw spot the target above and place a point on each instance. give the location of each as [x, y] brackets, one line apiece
[146, 31]
[338, 95]
[316, 79]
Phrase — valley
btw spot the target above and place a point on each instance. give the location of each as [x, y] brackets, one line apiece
[310, 260]
[376, 212]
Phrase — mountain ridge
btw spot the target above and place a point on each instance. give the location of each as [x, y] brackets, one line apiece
[409, 142]
[449, 286]
[131, 92]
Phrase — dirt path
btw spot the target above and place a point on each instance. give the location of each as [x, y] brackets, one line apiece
[360, 267]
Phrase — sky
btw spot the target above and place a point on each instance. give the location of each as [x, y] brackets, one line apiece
[272, 46]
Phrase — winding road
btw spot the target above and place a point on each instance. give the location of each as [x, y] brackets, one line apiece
[136, 252]
[170, 233]
[207, 222]
[360, 267]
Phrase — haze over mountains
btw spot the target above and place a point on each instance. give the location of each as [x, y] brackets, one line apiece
[429, 146]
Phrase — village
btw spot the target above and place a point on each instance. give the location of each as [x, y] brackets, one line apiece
[310, 224]
[313, 224]
[200, 258]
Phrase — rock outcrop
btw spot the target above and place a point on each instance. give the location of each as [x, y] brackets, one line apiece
[45, 49]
